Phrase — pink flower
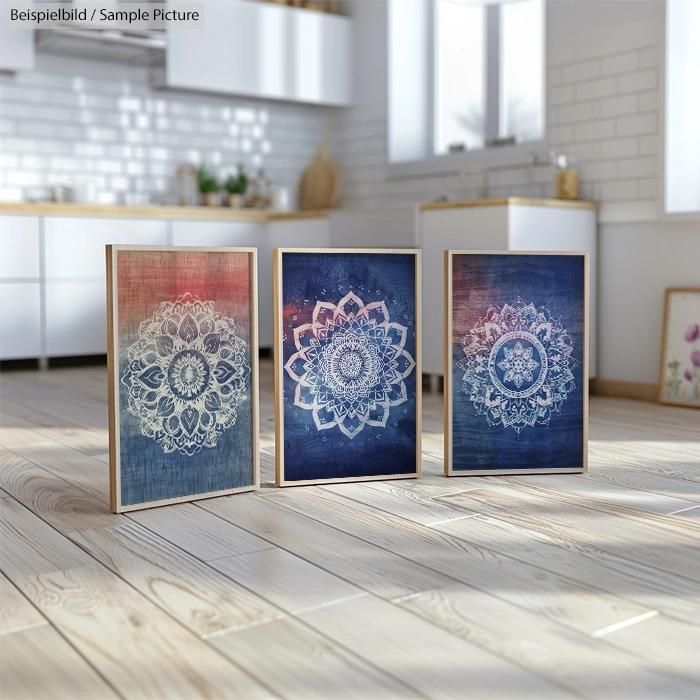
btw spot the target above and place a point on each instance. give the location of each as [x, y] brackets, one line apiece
[695, 357]
[693, 333]
[688, 375]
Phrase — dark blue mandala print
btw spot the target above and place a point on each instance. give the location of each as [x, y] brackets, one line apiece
[350, 365]
[518, 365]
[349, 359]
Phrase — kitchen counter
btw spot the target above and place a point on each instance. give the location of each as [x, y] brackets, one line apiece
[523, 201]
[115, 211]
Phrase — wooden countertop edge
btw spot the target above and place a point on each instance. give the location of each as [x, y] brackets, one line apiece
[155, 212]
[502, 201]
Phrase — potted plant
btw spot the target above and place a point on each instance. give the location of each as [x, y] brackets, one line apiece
[208, 186]
[236, 186]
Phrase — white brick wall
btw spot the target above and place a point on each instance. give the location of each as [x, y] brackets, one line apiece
[72, 120]
[603, 110]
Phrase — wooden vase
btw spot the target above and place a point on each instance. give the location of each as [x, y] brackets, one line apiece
[566, 182]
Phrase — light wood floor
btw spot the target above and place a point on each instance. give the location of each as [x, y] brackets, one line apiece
[539, 586]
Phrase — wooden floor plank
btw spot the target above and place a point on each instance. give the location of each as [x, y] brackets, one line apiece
[647, 482]
[416, 510]
[31, 546]
[586, 563]
[286, 580]
[566, 519]
[87, 473]
[373, 569]
[670, 643]
[59, 503]
[16, 612]
[190, 591]
[137, 648]
[198, 531]
[300, 664]
[603, 493]
[515, 591]
[576, 661]
[433, 661]
[544, 592]
[38, 664]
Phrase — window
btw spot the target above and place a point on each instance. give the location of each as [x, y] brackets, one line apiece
[466, 77]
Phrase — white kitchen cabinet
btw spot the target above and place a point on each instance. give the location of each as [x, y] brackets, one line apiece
[242, 234]
[376, 227]
[20, 320]
[321, 63]
[16, 45]
[512, 225]
[263, 50]
[75, 246]
[75, 273]
[19, 247]
[76, 314]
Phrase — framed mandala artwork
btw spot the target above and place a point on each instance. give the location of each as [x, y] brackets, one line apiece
[347, 365]
[182, 364]
[679, 382]
[516, 378]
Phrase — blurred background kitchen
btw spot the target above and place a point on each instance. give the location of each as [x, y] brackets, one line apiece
[356, 123]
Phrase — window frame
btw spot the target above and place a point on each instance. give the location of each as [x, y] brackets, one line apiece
[450, 163]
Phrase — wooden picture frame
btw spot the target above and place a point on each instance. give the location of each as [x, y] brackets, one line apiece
[293, 395]
[493, 461]
[182, 362]
[679, 368]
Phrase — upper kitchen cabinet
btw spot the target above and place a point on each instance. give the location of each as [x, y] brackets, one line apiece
[16, 45]
[257, 49]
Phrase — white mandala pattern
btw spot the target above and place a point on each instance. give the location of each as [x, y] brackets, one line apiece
[518, 365]
[350, 365]
[186, 375]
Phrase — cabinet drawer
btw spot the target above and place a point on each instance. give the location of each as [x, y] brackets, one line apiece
[20, 320]
[19, 246]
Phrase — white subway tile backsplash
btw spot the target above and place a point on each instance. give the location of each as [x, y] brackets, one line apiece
[603, 170]
[583, 70]
[648, 101]
[561, 95]
[648, 145]
[637, 81]
[650, 57]
[637, 167]
[614, 106]
[648, 189]
[621, 63]
[620, 189]
[576, 112]
[595, 89]
[594, 130]
[640, 124]
[86, 120]
[618, 148]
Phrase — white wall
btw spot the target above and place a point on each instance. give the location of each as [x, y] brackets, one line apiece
[605, 60]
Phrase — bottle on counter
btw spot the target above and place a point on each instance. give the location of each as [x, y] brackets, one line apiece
[260, 191]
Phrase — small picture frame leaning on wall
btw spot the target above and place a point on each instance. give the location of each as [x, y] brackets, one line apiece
[183, 373]
[679, 381]
[347, 365]
[516, 362]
